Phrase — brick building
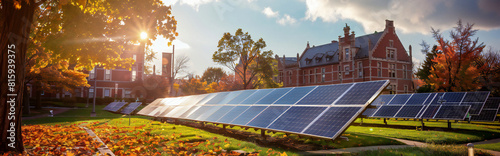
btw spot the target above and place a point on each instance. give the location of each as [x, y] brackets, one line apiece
[377, 56]
[119, 82]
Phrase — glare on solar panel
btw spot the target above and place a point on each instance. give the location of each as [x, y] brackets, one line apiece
[294, 95]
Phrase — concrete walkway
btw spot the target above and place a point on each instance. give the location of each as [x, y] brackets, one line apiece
[103, 150]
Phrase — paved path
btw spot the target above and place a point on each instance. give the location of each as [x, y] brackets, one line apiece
[104, 148]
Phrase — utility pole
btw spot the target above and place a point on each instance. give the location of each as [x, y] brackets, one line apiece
[93, 114]
[172, 67]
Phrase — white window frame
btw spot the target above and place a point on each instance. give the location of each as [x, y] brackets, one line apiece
[360, 69]
[347, 58]
[379, 69]
[92, 74]
[107, 92]
[346, 69]
[134, 73]
[107, 74]
[323, 75]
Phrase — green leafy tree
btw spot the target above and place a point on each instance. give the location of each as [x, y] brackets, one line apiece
[68, 36]
[213, 74]
[424, 70]
[252, 64]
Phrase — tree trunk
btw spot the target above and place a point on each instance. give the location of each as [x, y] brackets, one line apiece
[15, 25]
[26, 101]
[38, 97]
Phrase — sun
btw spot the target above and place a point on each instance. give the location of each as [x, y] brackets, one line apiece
[144, 35]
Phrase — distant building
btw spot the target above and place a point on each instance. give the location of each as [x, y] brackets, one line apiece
[377, 56]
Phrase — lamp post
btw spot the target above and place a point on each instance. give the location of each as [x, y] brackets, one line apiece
[93, 114]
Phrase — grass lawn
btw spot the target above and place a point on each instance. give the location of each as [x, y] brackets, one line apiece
[437, 150]
[462, 132]
[494, 147]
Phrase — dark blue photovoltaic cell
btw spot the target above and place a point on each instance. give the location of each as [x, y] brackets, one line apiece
[387, 111]
[400, 99]
[117, 107]
[438, 99]
[409, 111]
[257, 96]
[452, 112]
[430, 98]
[294, 95]
[369, 112]
[430, 111]
[485, 115]
[219, 97]
[418, 99]
[248, 115]
[110, 105]
[492, 103]
[382, 99]
[233, 114]
[273, 96]
[208, 113]
[296, 118]
[243, 95]
[324, 95]
[229, 97]
[131, 107]
[199, 112]
[360, 93]
[454, 97]
[189, 112]
[476, 96]
[206, 98]
[475, 108]
[219, 113]
[267, 116]
[332, 121]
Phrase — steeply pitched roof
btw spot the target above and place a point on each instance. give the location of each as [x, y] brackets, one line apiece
[328, 53]
[289, 61]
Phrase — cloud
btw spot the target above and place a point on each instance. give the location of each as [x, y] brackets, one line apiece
[409, 16]
[193, 3]
[286, 19]
[269, 12]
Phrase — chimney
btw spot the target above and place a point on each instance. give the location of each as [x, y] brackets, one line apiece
[346, 31]
[410, 53]
[389, 25]
[307, 47]
[154, 70]
[298, 58]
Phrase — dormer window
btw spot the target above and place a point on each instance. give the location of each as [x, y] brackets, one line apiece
[347, 58]
[329, 56]
[318, 59]
[308, 61]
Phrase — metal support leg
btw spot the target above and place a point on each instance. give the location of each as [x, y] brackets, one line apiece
[385, 121]
[263, 134]
[361, 122]
[449, 124]
[423, 125]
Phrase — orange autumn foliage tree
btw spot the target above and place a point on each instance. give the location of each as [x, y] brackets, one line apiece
[455, 68]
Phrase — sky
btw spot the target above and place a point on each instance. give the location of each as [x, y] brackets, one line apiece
[287, 26]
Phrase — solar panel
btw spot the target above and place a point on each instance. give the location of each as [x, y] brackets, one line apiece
[476, 96]
[369, 112]
[219, 113]
[383, 99]
[256, 96]
[267, 116]
[489, 112]
[430, 111]
[230, 97]
[131, 107]
[454, 97]
[296, 118]
[165, 111]
[452, 112]
[333, 120]
[324, 95]
[248, 115]
[178, 111]
[194, 99]
[294, 95]
[150, 107]
[387, 111]
[417, 99]
[117, 107]
[475, 108]
[486, 115]
[217, 98]
[400, 99]
[208, 113]
[438, 99]
[110, 105]
[232, 114]
[409, 111]
[273, 96]
[207, 98]
[189, 112]
[361, 93]
[199, 112]
[243, 95]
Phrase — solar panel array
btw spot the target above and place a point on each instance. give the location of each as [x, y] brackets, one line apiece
[448, 106]
[320, 111]
[116, 106]
[489, 112]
